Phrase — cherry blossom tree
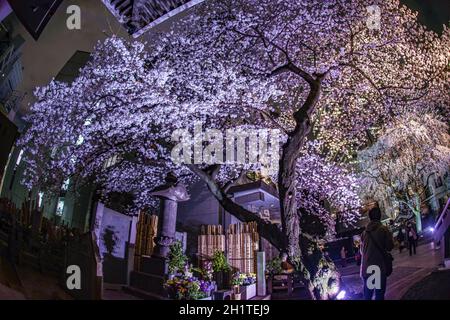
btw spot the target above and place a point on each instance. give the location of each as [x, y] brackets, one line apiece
[327, 193]
[310, 69]
[342, 76]
[412, 148]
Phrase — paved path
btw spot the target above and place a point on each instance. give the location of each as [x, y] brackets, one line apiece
[25, 283]
[407, 271]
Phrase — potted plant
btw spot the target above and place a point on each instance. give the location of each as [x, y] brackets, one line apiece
[206, 275]
[248, 286]
[273, 268]
[177, 260]
[220, 267]
[236, 283]
[244, 284]
[188, 288]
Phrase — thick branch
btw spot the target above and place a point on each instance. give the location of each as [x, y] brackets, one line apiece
[267, 230]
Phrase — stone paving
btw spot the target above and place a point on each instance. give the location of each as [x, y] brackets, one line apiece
[26, 283]
[435, 286]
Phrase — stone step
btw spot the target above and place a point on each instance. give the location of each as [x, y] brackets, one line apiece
[257, 298]
[142, 293]
[147, 282]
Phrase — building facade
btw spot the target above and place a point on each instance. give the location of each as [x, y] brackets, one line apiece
[139, 16]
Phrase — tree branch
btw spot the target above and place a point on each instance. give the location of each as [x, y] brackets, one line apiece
[267, 230]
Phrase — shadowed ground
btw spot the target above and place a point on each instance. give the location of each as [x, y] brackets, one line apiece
[435, 286]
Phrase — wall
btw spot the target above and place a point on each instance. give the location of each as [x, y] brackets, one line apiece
[8, 134]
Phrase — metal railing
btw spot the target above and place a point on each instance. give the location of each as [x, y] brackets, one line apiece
[443, 223]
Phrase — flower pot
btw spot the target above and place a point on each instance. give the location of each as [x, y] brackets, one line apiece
[218, 278]
[248, 292]
[236, 289]
[207, 298]
[236, 296]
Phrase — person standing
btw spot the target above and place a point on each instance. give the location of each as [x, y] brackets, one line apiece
[343, 257]
[357, 253]
[376, 243]
[401, 239]
[412, 238]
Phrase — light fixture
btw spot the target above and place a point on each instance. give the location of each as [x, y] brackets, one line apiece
[341, 295]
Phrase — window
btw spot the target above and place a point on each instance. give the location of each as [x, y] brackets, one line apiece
[40, 197]
[19, 158]
[60, 207]
[80, 140]
[65, 185]
[111, 161]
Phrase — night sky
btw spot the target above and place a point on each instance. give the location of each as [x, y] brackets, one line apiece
[432, 13]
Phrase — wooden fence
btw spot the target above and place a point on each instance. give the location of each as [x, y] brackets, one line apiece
[240, 243]
[147, 227]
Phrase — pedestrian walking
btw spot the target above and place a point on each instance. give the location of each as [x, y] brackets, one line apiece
[377, 242]
[412, 239]
[401, 239]
[356, 251]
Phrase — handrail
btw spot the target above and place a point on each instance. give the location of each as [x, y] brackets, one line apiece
[443, 222]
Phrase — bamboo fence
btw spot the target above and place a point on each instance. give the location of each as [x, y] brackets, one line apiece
[241, 241]
[147, 227]
[210, 240]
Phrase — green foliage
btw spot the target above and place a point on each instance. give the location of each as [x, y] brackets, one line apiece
[177, 258]
[194, 292]
[274, 266]
[219, 262]
[182, 288]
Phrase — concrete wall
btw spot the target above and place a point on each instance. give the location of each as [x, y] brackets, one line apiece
[8, 134]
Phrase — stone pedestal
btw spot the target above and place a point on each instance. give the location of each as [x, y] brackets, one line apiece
[261, 273]
[166, 227]
[154, 269]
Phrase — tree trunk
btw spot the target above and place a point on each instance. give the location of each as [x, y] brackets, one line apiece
[291, 150]
[417, 213]
[323, 278]
[418, 221]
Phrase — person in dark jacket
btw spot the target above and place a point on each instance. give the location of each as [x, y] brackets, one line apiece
[412, 238]
[372, 254]
[401, 239]
[357, 253]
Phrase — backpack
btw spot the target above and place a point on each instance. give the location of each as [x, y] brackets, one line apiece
[387, 257]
